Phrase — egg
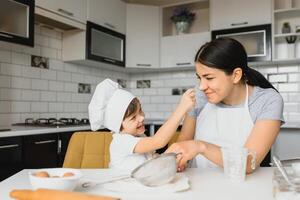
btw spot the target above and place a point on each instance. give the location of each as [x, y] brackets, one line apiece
[42, 174]
[68, 174]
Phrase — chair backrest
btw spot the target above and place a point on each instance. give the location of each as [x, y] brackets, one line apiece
[88, 150]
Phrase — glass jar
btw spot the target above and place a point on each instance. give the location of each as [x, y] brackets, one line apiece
[282, 190]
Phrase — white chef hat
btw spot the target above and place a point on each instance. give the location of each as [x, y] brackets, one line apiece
[108, 106]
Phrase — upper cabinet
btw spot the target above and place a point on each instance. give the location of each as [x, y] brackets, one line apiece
[142, 36]
[179, 49]
[66, 14]
[238, 13]
[17, 21]
[108, 13]
[286, 30]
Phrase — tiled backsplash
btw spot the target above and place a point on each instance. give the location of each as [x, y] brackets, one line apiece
[27, 91]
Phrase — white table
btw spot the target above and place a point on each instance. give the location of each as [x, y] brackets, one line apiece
[205, 184]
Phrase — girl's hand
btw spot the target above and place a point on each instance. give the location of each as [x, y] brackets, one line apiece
[187, 150]
[188, 100]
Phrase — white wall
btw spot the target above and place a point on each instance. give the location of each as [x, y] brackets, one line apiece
[26, 91]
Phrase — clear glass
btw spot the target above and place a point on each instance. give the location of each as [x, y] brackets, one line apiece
[235, 162]
[281, 189]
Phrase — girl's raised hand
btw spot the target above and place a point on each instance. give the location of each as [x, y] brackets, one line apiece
[188, 100]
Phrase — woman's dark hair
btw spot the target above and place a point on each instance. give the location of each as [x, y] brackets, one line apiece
[227, 54]
[132, 107]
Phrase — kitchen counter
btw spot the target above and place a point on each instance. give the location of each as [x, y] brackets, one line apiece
[291, 125]
[31, 130]
[205, 184]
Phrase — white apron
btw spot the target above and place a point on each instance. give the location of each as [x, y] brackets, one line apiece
[222, 127]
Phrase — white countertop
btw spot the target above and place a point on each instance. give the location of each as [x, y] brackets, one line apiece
[31, 130]
[292, 125]
[205, 184]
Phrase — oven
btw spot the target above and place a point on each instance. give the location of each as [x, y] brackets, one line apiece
[105, 45]
[257, 40]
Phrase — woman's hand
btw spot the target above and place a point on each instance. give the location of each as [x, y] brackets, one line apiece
[187, 150]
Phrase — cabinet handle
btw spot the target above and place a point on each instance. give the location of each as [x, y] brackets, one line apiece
[45, 142]
[109, 25]
[187, 63]
[238, 24]
[144, 65]
[9, 146]
[109, 60]
[4, 35]
[59, 147]
[65, 12]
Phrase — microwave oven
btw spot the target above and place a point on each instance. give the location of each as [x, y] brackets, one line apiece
[105, 45]
[256, 40]
[17, 21]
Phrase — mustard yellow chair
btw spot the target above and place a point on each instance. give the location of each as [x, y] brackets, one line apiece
[88, 150]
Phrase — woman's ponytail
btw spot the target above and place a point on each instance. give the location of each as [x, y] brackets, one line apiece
[255, 78]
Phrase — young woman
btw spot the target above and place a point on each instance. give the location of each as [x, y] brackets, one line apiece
[236, 106]
[121, 112]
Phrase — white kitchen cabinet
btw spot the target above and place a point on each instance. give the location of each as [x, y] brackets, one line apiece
[108, 13]
[287, 145]
[66, 11]
[286, 11]
[180, 50]
[142, 36]
[225, 14]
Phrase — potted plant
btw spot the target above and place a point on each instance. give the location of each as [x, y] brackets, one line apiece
[182, 17]
[286, 28]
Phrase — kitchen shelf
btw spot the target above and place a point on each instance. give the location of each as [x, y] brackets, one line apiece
[286, 35]
[286, 11]
[200, 24]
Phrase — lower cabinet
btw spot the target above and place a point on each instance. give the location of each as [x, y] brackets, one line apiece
[40, 151]
[32, 152]
[11, 156]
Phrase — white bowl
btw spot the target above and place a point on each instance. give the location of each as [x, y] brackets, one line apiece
[296, 167]
[58, 183]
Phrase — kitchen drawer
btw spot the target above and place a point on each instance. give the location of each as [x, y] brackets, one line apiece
[11, 156]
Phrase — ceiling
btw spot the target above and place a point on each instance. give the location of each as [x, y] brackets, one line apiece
[156, 2]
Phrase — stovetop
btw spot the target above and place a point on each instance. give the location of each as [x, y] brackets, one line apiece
[54, 122]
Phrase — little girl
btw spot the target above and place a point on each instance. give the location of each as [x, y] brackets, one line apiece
[121, 112]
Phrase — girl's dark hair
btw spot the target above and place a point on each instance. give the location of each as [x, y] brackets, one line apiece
[227, 54]
[132, 107]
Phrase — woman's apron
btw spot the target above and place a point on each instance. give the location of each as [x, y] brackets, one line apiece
[223, 127]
